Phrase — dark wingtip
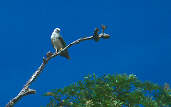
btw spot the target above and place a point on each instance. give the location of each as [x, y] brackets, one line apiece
[68, 57]
[65, 54]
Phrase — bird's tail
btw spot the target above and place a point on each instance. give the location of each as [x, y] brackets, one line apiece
[65, 54]
[68, 57]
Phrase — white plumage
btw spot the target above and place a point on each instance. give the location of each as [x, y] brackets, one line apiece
[58, 42]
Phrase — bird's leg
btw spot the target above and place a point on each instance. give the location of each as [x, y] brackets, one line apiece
[59, 49]
[56, 50]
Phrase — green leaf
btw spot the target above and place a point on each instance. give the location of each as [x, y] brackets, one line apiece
[110, 91]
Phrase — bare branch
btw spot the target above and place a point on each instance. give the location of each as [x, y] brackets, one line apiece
[26, 90]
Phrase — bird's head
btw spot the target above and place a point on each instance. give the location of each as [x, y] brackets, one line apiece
[57, 30]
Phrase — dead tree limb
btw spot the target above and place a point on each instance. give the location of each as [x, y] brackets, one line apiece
[27, 91]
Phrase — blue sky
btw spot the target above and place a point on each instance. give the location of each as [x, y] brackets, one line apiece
[140, 42]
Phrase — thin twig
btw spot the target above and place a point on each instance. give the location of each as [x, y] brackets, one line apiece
[26, 90]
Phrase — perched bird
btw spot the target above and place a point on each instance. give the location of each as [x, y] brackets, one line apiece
[58, 43]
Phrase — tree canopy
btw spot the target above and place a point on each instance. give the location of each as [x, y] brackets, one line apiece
[111, 91]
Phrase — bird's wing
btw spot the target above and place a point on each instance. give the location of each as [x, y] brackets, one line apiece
[65, 53]
[62, 41]
[52, 43]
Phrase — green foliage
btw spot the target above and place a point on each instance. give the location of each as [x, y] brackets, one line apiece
[110, 91]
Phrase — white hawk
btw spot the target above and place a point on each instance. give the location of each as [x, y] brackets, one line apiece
[58, 43]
